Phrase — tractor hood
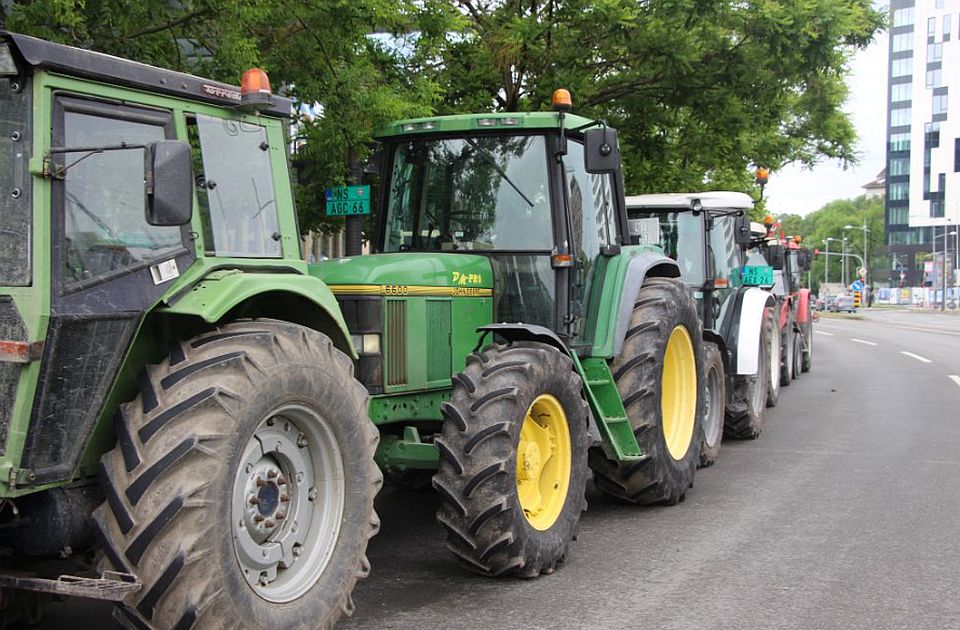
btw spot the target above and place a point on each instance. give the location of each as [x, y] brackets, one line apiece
[413, 273]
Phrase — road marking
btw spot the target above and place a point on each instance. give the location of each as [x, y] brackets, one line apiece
[916, 356]
[867, 343]
[955, 379]
[823, 332]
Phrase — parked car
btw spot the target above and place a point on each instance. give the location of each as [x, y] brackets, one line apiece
[842, 303]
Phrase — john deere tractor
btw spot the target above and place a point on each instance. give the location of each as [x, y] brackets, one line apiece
[512, 337]
[708, 233]
[180, 428]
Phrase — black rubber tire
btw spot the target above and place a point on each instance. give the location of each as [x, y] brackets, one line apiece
[714, 400]
[661, 305]
[169, 481]
[786, 355]
[797, 354]
[745, 413]
[480, 508]
[775, 349]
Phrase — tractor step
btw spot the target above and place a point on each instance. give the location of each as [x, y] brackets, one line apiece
[619, 441]
[110, 586]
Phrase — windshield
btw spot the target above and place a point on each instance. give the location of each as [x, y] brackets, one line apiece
[681, 237]
[469, 193]
[235, 188]
[15, 187]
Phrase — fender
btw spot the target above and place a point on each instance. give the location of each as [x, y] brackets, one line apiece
[522, 332]
[622, 279]
[743, 335]
[297, 298]
[803, 306]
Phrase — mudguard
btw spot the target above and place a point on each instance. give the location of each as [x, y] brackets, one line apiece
[522, 332]
[622, 280]
[743, 334]
[297, 298]
[803, 306]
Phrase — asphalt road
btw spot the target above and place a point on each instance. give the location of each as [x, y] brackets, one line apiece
[845, 513]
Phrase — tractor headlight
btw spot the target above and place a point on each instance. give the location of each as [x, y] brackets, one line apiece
[371, 344]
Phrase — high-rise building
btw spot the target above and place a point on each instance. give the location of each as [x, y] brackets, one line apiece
[923, 133]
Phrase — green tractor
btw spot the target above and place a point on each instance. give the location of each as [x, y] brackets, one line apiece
[511, 336]
[180, 428]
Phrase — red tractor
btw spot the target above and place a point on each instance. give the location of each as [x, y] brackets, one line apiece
[794, 308]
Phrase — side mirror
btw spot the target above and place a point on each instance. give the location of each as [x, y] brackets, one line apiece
[169, 180]
[741, 231]
[775, 256]
[601, 150]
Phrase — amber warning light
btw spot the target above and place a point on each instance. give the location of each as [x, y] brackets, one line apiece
[255, 90]
[561, 100]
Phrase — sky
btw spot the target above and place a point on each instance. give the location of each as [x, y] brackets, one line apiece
[799, 190]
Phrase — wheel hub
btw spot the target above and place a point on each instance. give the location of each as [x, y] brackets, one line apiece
[530, 461]
[544, 459]
[287, 503]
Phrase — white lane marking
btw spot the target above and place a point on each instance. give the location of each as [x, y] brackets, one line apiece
[955, 379]
[916, 356]
[867, 343]
[823, 332]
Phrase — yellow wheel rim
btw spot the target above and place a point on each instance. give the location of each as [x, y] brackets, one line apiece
[678, 391]
[543, 462]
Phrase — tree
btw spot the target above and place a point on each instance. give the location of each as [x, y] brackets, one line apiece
[700, 89]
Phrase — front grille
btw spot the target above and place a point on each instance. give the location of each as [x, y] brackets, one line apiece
[80, 361]
[439, 363]
[395, 338]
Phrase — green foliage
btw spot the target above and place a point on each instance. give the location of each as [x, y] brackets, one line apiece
[830, 221]
[699, 89]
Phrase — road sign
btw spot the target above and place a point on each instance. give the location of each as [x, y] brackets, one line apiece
[857, 285]
[348, 200]
[862, 272]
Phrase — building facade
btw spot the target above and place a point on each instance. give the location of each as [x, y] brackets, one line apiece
[923, 133]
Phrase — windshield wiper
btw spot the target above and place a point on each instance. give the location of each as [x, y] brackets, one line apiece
[487, 155]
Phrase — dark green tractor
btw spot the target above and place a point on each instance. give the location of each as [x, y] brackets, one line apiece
[180, 429]
[511, 336]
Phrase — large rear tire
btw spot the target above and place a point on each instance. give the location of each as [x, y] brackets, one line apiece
[745, 413]
[807, 363]
[241, 488]
[713, 407]
[786, 364]
[659, 373]
[797, 354]
[513, 460]
[771, 336]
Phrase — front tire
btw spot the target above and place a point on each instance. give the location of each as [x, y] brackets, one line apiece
[241, 488]
[714, 401]
[745, 413]
[659, 372]
[513, 460]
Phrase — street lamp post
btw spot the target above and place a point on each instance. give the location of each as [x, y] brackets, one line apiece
[866, 257]
[826, 271]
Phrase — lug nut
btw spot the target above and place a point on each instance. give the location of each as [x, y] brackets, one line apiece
[260, 482]
[280, 515]
[281, 480]
[257, 518]
[312, 494]
[254, 500]
[272, 473]
[268, 523]
[301, 440]
[297, 550]
[284, 497]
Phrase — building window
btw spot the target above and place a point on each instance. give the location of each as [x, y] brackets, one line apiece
[934, 52]
[938, 4]
[931, 26]
[934, 78]
[899, 216]
[956, 155]
[902, 41]
[940, 104]
[901, 67]
[899, 191]
[903, 17]
[946, 27]
[900, 142]
[899, 166]
[900, 117]
[900, 92]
